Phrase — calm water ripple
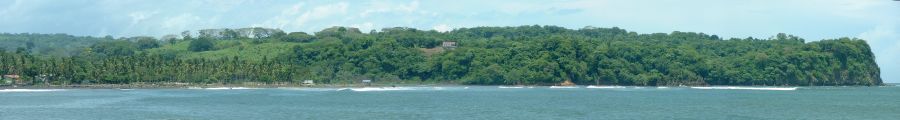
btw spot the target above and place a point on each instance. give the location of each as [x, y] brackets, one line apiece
[455, 102]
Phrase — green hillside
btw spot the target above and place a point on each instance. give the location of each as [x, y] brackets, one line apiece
[523, 55]
[244, 49]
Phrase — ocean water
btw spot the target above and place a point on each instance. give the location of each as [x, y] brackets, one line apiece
[455, 102]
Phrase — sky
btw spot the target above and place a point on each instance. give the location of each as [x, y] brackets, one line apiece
[876, 21]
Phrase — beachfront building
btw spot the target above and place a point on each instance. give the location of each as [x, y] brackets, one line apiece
[16, 79]
[308, 82]
[5, 81]
[45, 78]
[367, 82]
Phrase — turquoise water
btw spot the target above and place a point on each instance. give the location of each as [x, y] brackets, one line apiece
[454, 102]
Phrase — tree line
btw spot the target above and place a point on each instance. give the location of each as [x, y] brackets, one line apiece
[522, 55]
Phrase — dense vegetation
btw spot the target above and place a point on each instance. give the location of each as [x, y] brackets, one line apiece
[525, 55]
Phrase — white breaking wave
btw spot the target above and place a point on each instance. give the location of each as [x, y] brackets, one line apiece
[228, 88]
[376, 89]
[604, 87]
[379, 89]
[217, 88]
[243, 88]
[30, 90]
[746, 88]
[563, 87]
[308, 89]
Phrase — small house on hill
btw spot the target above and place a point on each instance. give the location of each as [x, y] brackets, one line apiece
[448, 44]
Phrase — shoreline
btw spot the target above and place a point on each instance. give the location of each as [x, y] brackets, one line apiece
[188, 86]
[203, 86]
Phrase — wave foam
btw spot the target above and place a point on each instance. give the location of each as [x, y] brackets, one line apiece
[30, 90]
[308, 89]
[243, 88]
[228, 88]
[377, 89]
[746, 88]
[217, 88]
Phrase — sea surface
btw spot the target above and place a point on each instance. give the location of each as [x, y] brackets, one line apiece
[455, 102]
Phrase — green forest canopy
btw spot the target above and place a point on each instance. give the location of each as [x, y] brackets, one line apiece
[523, 55]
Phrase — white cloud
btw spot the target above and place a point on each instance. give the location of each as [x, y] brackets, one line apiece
[387, 7]
[882, 38]
[224, 5]
[180, 22]
[519, 8]
[364, 27]
[413, 6]
[885, 44]
[322, 12]
[295, 17]
[885, 32]
[283, 19]
[137, 17]
[442, 28]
